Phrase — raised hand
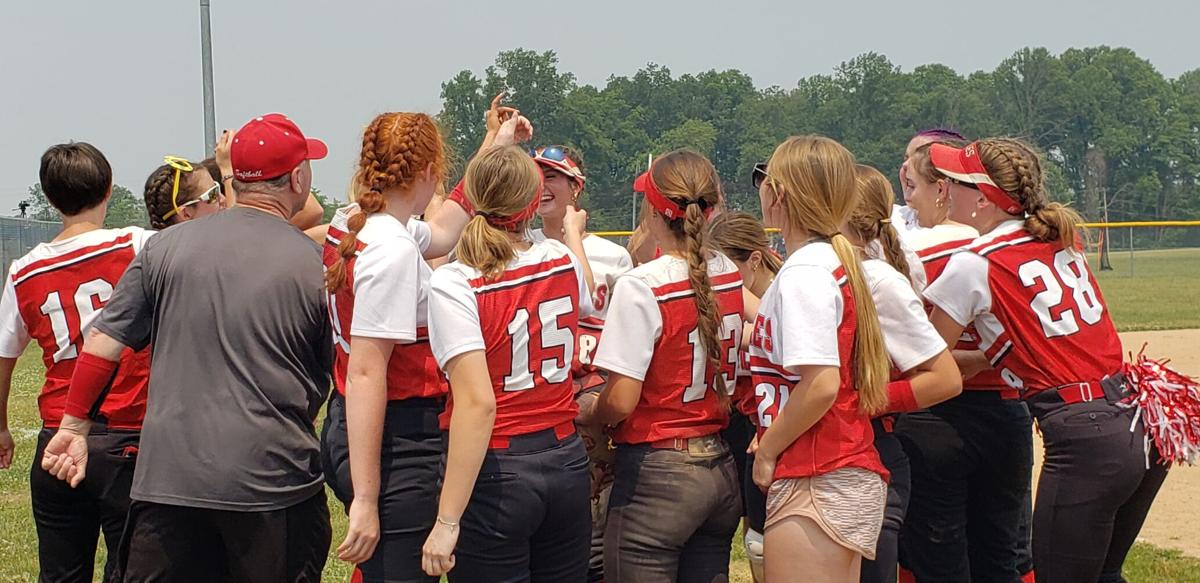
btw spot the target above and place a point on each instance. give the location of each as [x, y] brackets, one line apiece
[221, 153]
[497, 114]
[515, 130]
[575, 221]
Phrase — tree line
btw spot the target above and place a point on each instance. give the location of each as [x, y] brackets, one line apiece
[1121, 140]
[1119, 136]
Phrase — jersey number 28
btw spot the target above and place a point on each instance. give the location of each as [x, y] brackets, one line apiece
[1056, 315]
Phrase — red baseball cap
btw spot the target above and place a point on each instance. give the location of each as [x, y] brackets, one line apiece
[270, 146]
[964, 165]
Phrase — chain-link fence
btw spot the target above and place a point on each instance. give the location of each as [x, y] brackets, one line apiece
[18, 236]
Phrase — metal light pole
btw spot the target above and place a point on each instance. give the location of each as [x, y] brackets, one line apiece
[210, 117]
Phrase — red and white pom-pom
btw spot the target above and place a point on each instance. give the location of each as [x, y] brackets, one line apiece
[1169, 406]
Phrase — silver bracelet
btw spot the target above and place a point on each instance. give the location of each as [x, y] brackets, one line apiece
[447, 523]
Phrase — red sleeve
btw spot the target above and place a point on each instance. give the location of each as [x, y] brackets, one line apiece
[91, 378]
[459, 196]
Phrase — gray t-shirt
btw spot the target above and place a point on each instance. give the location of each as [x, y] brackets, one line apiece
[234, 307]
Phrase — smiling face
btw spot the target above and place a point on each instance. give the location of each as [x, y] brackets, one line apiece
[559, 191]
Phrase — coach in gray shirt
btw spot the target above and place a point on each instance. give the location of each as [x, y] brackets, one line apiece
[228, 484]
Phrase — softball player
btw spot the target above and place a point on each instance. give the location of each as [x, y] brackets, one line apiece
[1043, 325]
[514, 502]
[381, 445]
[670, 348]
[742, 239]
[924, 372]
[52, 295]
[972, 457]
[820, 370]
[565, 179]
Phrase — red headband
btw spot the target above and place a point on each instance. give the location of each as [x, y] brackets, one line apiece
[669, 208]
[511, 222]
[964, 165]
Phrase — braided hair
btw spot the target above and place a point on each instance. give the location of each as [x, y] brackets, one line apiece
[1016, 168]
[396, 149]
[157, 194]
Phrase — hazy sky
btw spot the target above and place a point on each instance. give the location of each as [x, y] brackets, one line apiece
[125, 74]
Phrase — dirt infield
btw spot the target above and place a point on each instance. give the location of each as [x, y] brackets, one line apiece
[1174, 520]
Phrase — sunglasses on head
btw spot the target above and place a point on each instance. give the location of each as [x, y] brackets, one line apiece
[182, 165]
[759, 175]
[552, 153]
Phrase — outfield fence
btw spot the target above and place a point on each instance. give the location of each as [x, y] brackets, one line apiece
[1106, 240]
[18, 236]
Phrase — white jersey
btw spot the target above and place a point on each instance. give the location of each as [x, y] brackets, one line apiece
[904, 219]
[938, 234]
[907, 334]
[916, 270]
[385, 297]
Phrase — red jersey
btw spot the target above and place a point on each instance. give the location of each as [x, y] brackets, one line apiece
[652, 335]
[934, 260]
[525, 321]
[385, 295]
[807, 317]
[1040, 317]
[52, 295]
[607, 261]
[743, 389]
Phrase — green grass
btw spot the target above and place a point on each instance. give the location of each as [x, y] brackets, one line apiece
[1153, 290]
[1154, 293]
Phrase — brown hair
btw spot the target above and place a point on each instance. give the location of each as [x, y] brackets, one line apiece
[1017, 169]
[501, 182]
[75, 177]
[157, 193]
[738, 234]
[819, 192]
[691, 181]
[871, 219]
[396, 149]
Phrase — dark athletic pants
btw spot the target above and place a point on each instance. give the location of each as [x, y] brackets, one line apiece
[179, 544]
[884, 568]
[1094, 491]
[738, 435]
[529, 518]
[968, 515]
[410, 468]
[672, 514]
[69, 520]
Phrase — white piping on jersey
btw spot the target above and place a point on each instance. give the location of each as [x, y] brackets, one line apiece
[774, 372]
[62, 264]
[689, 292]
[1000, 354]
[526, 279]
[940, 254]
[996, 246]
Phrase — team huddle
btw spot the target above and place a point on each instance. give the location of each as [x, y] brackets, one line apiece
[520, 404]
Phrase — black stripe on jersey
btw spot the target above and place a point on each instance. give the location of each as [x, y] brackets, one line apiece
[1004, 350]
[81, 258]
[687, 293]
[939, 255]
[488, 288]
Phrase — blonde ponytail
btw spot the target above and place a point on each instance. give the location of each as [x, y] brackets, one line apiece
[501, 183]
[870, 357]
